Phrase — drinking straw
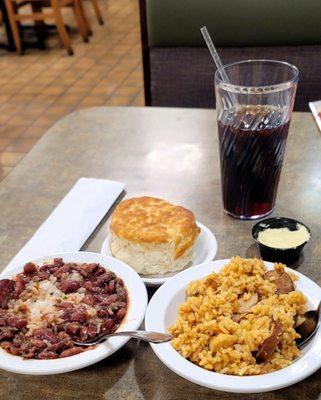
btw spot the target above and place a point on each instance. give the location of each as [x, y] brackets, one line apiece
[217, 59]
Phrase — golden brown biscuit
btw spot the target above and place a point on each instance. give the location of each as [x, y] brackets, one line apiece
[151, 220]
[146, 230]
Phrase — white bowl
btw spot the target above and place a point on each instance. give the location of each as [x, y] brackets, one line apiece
[162, 312]
[205, 250]
[134, 317]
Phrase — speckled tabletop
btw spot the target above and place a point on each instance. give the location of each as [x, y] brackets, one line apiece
[169, 153]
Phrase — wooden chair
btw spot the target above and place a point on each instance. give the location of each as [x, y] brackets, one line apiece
[97, 11]
[39, 16]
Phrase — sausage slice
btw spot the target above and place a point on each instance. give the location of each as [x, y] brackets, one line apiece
[283, 281]
[270, 344]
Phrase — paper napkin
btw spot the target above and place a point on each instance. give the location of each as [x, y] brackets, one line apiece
[72, 222]
[315, 107]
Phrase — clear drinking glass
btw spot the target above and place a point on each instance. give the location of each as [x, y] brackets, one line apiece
[254, 112]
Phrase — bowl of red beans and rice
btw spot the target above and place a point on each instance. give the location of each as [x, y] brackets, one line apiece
[47, 304]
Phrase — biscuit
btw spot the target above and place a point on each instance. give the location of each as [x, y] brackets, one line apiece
[152, 235]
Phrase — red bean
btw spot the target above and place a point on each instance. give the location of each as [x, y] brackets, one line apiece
[30, 352]
[58, 262]
[121, 313]
[99, 271]
[74, 266]
[30, 268]
[38, 343]
[90, 268]
[43, 275]
[62, 345]
[71, 352]
[91, 287]
[119, 281]
[64, 304]
[110, 300]
[69, 286]
[92, 330]
[105, 291]
[19, 287]
[15, 350]
[108, 325]
[18, 340]
[63, 336]
[98, 299]
[88, 299]
[47, 355]
[46, 267]
[122, 293]
[6, 288]
[104, 279]
[75, 315]
[102, 314]
[83, 334]
[16, 322]
[8, 346]
[45, 334]
[61, 271]
[6, 333]
[73, 328]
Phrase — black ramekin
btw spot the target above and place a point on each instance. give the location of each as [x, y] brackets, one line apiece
[287, 256]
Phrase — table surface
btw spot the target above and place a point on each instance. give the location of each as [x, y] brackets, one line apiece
[169, 153]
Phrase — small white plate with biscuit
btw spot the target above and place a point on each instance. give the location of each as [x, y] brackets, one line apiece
[157, 239]
[205, 250]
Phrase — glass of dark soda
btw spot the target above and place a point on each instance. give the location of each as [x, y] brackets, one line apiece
[253, 111]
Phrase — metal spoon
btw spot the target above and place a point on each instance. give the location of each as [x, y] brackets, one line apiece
[309, 327]
[147, 336]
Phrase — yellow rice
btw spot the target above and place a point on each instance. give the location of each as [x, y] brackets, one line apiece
[206, 334]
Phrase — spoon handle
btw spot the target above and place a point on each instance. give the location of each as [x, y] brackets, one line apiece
[147, 336]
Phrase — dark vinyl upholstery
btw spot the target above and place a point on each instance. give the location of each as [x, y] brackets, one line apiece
[233, 23]
[183, 76]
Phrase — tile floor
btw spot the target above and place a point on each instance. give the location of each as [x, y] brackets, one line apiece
[41, 86]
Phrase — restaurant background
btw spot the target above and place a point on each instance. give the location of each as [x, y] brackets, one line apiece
[93, 103]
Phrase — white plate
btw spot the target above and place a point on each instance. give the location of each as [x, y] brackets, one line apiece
[205, 250]
[162, 312]
[134, 317]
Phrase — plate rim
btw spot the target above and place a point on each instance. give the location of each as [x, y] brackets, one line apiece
[180, 365]
[155, 282]
[85, 359]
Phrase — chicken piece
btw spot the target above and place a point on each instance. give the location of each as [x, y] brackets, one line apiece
[245, 306]
[237, 317]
